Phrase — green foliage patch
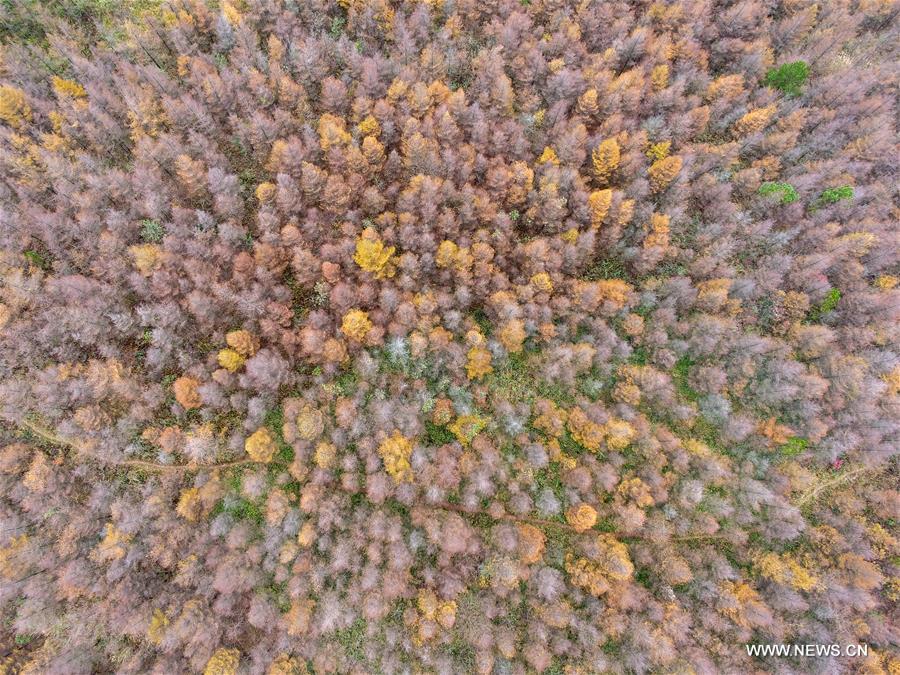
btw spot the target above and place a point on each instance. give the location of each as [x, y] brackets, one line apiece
[608, 268]
[828, 304]
[37, 259]
[836, 194]
[240, 509]
[794, 446]
[436, 436]
[788, 77]
[784, 191]
[680, 373]
[152, 232]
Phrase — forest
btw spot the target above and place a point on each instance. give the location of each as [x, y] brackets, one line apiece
[449, 336]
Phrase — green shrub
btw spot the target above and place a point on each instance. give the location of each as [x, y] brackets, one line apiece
[834, 195]
[337, 27]
[437, 436]
[151, 231]
[788, 77]
[37, 259]
[794, 446]
[829, 302]
[785, 191]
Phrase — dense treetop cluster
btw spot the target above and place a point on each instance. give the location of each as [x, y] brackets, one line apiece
[448, 336]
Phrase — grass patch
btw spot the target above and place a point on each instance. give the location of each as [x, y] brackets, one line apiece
[205, 346]
[680, 373]
[515, 380]
[463, 655]
[240, 509]
[512, 378]
[517, 616]
[278, 594]
[639, 356]
[397, 508]
[548, 478]
[98, 20]
[302, 297]
[670, 268]
[612, 648]
[274, 422]
[709, 434]
[609, 268]
[607, 525]
[346, 383]
[716, 490]
[556, 667]
[285, 455]
[570, 446]
[294, 487]
[351, 640]
[484, 324]
[644, 577]
[482, 521]
[37, 259]
[227, 422]
[233, 478]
